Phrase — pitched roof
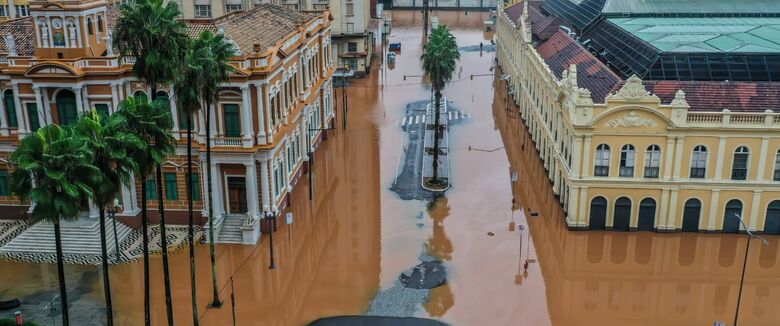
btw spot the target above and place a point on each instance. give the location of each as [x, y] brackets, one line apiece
[561, 51]
[23, 33]
[543, 26]
[515, 11]
[691, 6]
[718, 95]
[263, 25]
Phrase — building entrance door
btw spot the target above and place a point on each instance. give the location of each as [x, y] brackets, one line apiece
[236, 187]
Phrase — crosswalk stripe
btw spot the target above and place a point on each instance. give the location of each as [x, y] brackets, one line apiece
[423, 119]
[416, 119]
[404, 122]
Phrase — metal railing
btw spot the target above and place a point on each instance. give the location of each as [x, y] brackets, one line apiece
[226, 141]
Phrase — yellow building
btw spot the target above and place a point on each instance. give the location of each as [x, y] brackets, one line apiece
[60, 62]
[626, 154]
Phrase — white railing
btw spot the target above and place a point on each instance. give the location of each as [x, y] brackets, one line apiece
[226, 141]
[128, 60]
[727, 118]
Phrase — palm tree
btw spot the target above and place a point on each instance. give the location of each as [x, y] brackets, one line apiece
[111, 144]
[149, 31]
[439, 59]
[151, 122]
[215, 70]
[53, 169]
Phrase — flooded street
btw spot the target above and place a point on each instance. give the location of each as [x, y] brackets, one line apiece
[354, 238]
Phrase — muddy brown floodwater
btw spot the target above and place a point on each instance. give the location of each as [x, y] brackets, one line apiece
[356, 236]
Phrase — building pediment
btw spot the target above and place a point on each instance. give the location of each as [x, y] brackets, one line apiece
[52, 69]
[632, 118]
[633, 91]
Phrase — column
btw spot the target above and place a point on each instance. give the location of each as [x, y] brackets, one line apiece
[251, 190]
[3, 116]
[576, 153]
[246, 116]
[216, 190]
[205, 182]
[85, 100]
[43, 112]
[18, 107]
[719, 159]
[174, 112]
[583, 204]
[664, 212]
[762, 159]
[671, 222]
[714, 211]
[678, 156]
[260, 115]
[79, 99]
[202, 124]
[11, 9]
[755, 209]
[214, 130]
[265, 190]
[574, 196]
[115, 98]
[669, 158]
[585, 164]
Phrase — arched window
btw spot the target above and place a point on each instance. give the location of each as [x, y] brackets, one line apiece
[627, 161]
[140, 95]
[66, 107]
[777, 166]
[622, 215]
[740, 165]
[772, 221]
[731, 216]
[598, 213]
[602, 161]
[691, 214]
[10, 108]
[100, 24]
[90, 31]
[698, 162]
[652, 161]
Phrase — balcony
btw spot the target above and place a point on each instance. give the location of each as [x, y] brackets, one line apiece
[728, 119]
[227, 141]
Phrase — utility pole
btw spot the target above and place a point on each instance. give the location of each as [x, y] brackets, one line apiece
[344, 97]
[425, 19]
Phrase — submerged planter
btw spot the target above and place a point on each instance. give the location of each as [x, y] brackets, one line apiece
[428, 144]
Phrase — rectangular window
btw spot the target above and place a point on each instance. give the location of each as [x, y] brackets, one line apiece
[698, 164]
[171, 190]
[739, 170]
[202, 11]
[32, 116]
[350, 9]
[22, 10]
[102, 109]
[194, 186]
[151, 188]
[233, 7]
[652, 164]
[352, 47]
[4, 189]
[4, 10]
[777, 167]
[232, 121]
[350, 28]
[10, 109]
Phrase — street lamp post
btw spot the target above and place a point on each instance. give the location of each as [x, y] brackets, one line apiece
[270, 216]
[310, 154]
[344, 97]
[116, 237]
[750, 236]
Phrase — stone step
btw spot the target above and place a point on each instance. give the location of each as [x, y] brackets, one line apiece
[231, 230]
[78, 237]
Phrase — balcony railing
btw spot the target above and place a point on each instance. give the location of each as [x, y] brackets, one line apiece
[651, 172]
[734, 119]
[626, 171]
[226, 141]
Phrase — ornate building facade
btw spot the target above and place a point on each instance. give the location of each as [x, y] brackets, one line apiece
[60, 62]
[627, 154]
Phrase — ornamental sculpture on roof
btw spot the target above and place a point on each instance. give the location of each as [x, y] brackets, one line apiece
[632, 119]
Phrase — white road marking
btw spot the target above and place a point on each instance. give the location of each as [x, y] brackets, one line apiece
[423, 119]
[404, 122]
[416, 119]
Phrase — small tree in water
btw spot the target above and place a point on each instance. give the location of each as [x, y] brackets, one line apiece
[439, 58]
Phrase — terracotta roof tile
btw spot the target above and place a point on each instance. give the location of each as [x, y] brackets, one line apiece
[264, 25]
[514, 11]
[718, 95]
[543, 26]
[561, 50]
[23, 33]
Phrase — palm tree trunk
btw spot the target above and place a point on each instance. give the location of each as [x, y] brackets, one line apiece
[61, 272]
[425, 19]
[190, 227]
[437, 127]
[145, 241]
[215, 302]
[106, 281]
[164, 247]
[163, 237]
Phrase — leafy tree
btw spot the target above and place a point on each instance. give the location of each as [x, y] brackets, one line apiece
[53, 169]
[439, 58]
[112, 145]
[149, 31]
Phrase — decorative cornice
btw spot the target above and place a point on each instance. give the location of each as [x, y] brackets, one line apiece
[632, 119]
